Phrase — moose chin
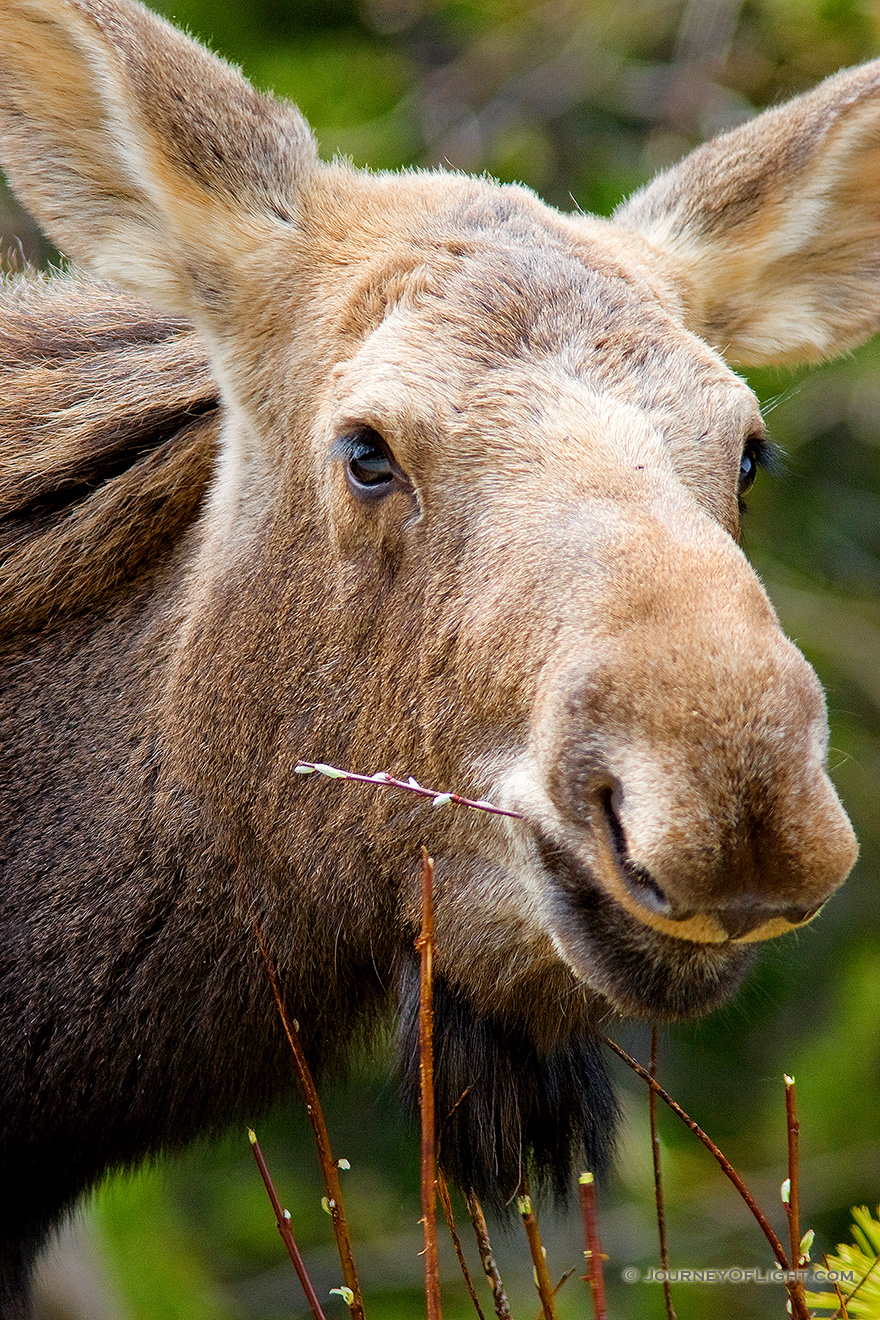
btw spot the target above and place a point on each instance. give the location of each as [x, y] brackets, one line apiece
[402, 472]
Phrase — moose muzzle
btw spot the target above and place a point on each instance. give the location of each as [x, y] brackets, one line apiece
[684, 754]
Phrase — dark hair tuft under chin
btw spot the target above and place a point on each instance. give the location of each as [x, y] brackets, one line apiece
[502, 1104]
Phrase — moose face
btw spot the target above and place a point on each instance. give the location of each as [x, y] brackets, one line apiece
[530, 474]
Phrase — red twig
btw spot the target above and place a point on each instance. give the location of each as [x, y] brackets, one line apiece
[658, 1183]
[792, 1209]
[446, 1202]
[322, 1141]
[792, 1204]
[487, 1259]
[282, 1219]
[383, 780]
[539, 1256]
[425, 945]
[594, 1255]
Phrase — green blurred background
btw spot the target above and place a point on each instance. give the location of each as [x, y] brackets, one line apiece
[583, 100]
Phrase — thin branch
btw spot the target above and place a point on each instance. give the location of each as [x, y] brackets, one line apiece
[539, 1255]
[383, 780]
[727, 1167]
[446, 1202]
[791, 1201]
[329, 1167]
[425, 946]
[282, 1219]
[565, 1278]
[841, 1311]
[499, 1297]
[594, 1254]
[658, 1183]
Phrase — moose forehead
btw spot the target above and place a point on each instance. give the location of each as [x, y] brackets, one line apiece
[510, 331]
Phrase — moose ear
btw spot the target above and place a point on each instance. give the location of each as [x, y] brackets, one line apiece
[142, 155]
[772, 231]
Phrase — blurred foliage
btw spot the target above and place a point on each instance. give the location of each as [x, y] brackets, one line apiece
[584, 99]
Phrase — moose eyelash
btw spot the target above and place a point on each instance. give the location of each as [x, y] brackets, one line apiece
[769, 456]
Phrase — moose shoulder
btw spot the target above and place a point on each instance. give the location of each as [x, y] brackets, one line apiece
[404, 472]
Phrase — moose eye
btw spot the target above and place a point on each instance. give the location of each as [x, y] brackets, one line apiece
[370, 469]
[752, 458]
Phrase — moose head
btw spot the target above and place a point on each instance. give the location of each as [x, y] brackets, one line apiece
[404, 472]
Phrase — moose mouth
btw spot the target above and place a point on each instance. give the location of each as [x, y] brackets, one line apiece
[636, 968]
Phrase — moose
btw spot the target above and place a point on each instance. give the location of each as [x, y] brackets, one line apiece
[392, 471]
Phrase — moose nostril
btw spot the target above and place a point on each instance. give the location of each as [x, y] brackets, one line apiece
[639, 881]
[646, 890]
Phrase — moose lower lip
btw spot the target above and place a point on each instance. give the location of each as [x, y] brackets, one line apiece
[637, 969]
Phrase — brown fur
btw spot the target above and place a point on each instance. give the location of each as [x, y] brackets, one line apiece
[88, 492]
[544, 604]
